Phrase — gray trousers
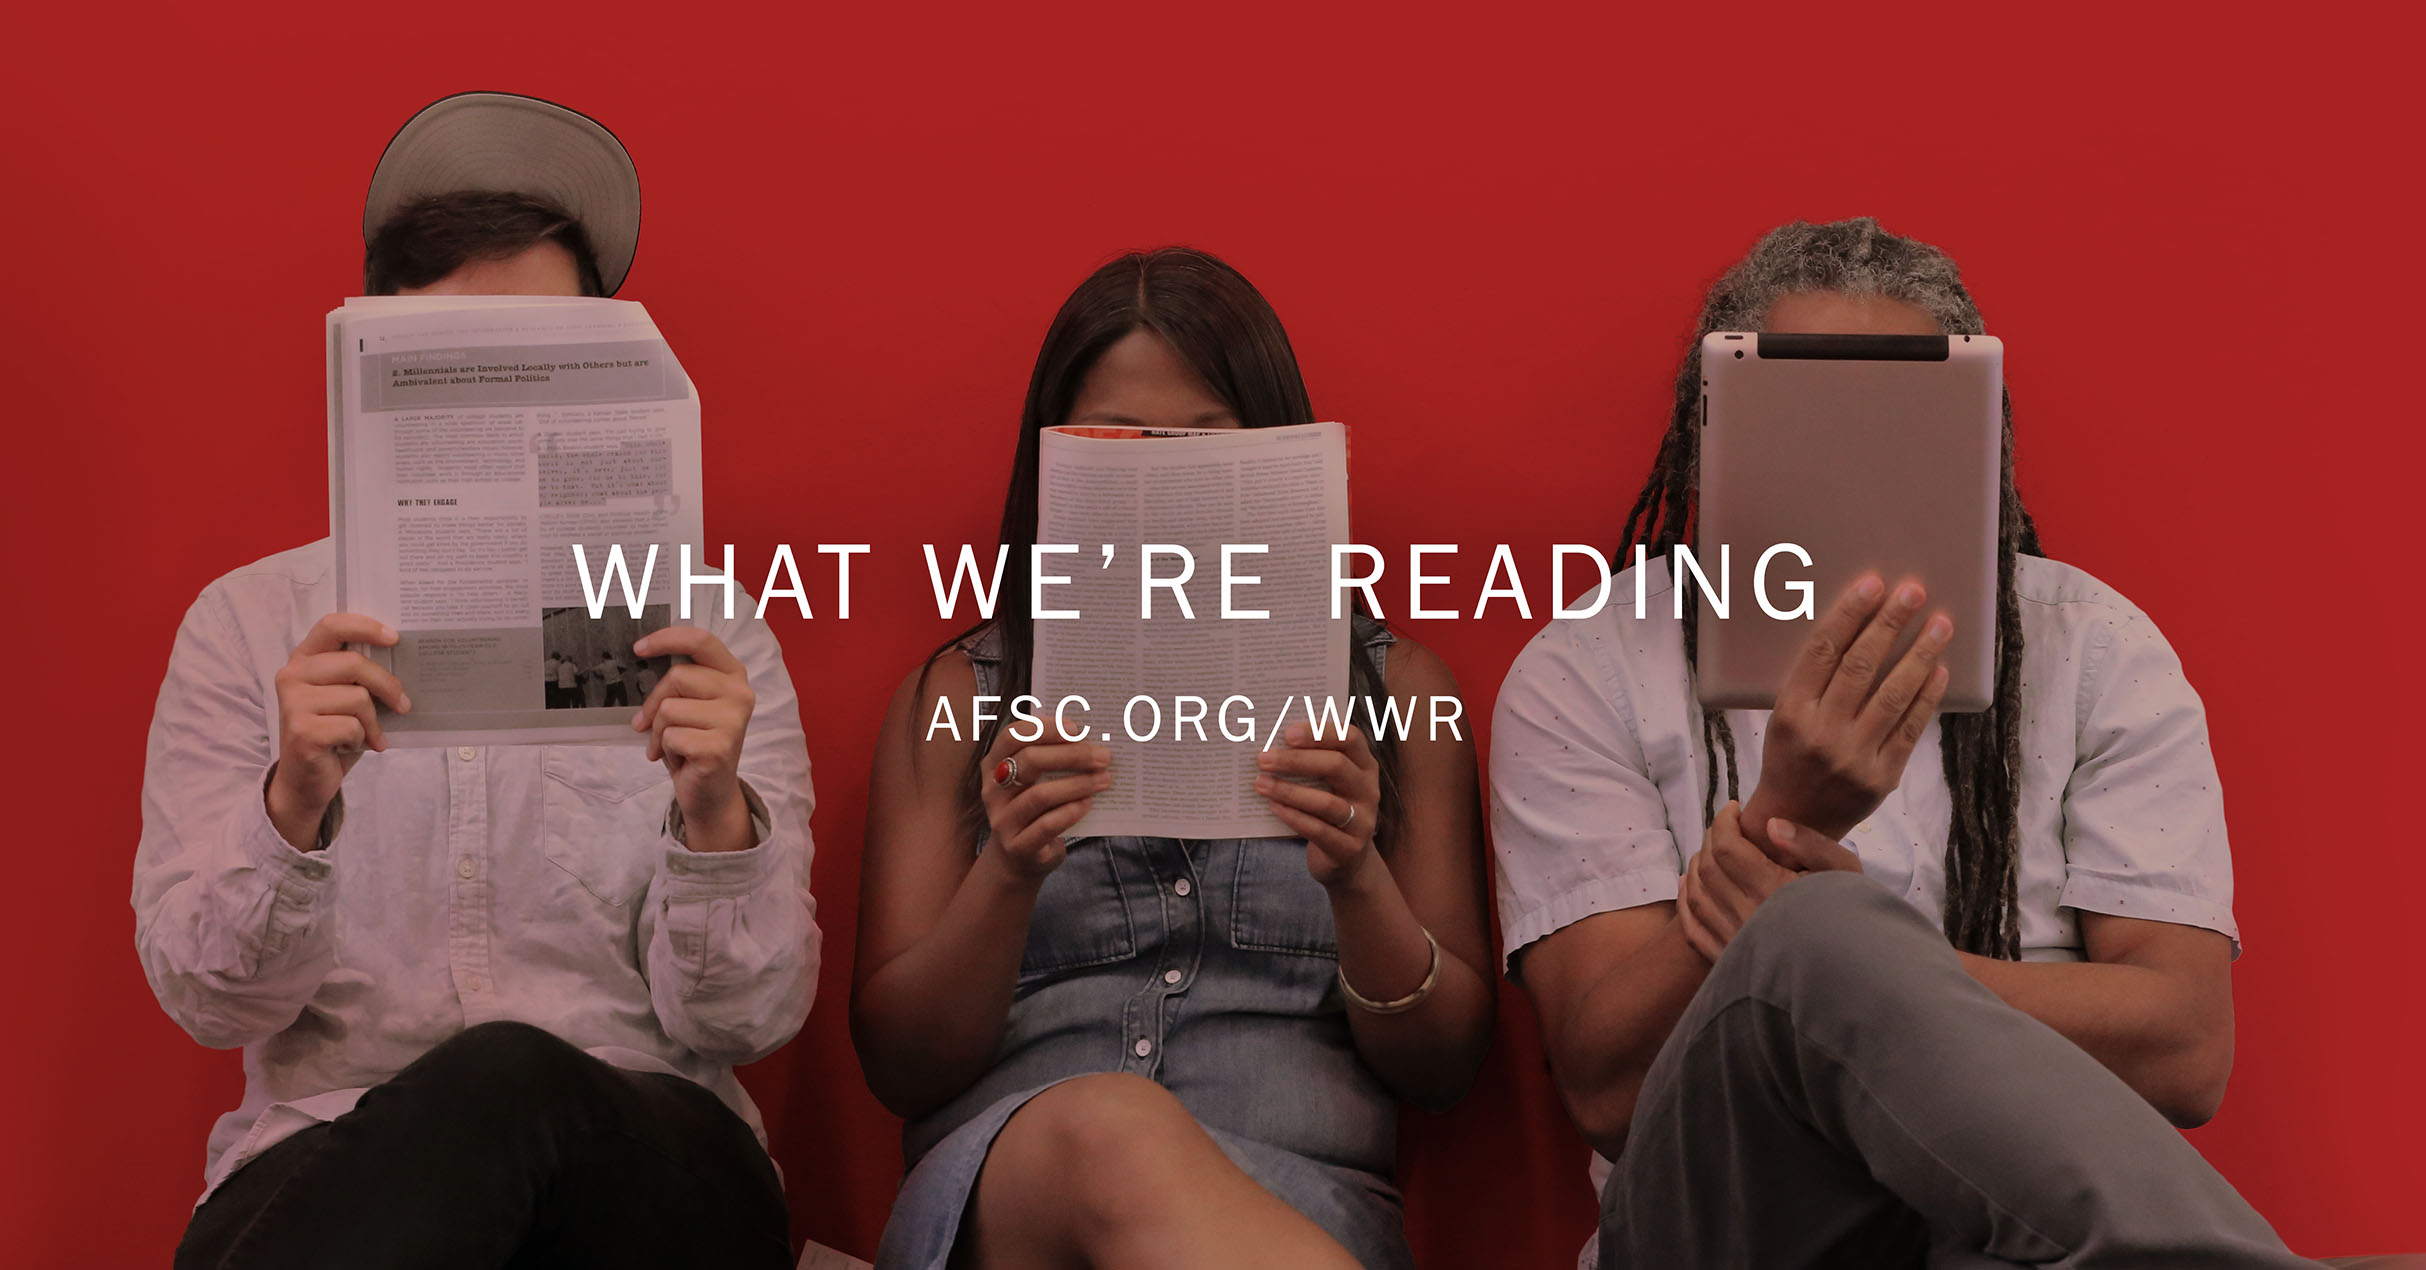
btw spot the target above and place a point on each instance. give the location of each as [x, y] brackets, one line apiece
[1841, 1092]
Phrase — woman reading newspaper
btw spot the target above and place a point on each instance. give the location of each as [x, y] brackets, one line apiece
[1150, 1050]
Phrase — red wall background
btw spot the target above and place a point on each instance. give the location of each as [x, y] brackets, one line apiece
[1487, 229]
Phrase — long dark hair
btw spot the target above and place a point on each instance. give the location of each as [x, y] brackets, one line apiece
[1980, 751]
[1222, 327]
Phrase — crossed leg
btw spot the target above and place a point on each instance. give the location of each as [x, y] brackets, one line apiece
[1842, 1092]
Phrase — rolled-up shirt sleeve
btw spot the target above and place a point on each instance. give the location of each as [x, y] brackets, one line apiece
[1577, 822]
[232, 924]
[2143, 811]
[731, 938]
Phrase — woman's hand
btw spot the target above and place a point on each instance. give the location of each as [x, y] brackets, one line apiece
[1730, 878]
[1846, 721]
[1033, 790]
[1336, 817]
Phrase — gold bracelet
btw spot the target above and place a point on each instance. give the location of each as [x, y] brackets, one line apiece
[1405, 1003]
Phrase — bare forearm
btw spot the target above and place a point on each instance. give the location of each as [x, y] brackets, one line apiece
[1600, 1056]
[928, 1022]
[1427, 1055]
[2133, 1019]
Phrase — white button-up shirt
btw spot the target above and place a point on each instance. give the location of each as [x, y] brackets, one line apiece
[538, 883]
[1598, 774]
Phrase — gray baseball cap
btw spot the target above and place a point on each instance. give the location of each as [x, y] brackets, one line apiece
[509, 143]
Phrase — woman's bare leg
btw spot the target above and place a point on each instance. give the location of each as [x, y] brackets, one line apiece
[1112, 1171]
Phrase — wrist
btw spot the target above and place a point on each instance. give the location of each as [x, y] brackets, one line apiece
[1756, 812]
[297, 817]
[718, 821]
[1364, 880]
[1760, 808]
[1005, 876]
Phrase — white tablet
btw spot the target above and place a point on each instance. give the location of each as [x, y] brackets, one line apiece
[1868, 452]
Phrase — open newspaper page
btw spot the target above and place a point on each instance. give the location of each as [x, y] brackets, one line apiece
[472, 443]
[1161, 689]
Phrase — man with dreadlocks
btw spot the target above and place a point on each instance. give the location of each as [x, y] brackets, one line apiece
[1964, 1033]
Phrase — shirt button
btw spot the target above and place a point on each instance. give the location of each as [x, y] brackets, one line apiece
[474, 983]
[466, 753]
[1181, 888]
[464, 868]
[1143, 1047]
[1170, 976]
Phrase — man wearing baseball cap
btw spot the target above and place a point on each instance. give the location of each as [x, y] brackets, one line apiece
[490, 999]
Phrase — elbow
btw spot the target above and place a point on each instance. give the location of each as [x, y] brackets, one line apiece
[1602, 1110]
[749, 1002]
[1599, 1088]
[2199, 1103]
[730, 1024]
[1459, 1070]
[904, 1099]
[217, 1034]
[1432, 1070]
[2194, 1091]
[2192, 1107]
[736, 1046]
[1444, 1070]
[1438, 1090]
[221, 1029]
[899, 1088]
[779, 1030]
[1603, 1121]
[214, 1013]
[794, 1013]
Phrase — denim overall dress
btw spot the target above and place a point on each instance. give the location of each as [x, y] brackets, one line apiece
[1208, 967]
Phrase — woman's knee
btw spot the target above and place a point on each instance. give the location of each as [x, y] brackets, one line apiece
[1116, 1119]
[1114, 1147]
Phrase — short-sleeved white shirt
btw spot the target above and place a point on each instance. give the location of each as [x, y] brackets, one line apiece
[1598, 773]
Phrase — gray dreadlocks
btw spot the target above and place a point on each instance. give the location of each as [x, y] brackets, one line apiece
[1857, 257]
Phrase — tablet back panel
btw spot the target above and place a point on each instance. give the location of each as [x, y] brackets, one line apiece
[1869, 452]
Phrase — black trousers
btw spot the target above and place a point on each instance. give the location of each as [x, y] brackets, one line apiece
[505, 1146]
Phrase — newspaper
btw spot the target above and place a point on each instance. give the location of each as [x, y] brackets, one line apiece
[473, 442]
[1114, 491]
